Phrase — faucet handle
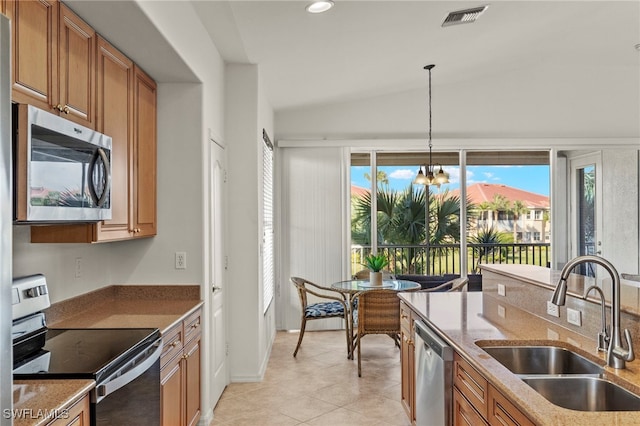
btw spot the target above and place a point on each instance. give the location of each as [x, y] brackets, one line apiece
[622, 353]
[630, 355]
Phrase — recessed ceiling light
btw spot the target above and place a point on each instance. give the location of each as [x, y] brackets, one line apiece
[319, 6]
[637, 46]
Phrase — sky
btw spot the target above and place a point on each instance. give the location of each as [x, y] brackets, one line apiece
[529, 178]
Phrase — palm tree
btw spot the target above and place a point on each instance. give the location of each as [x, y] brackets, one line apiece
[381, 177]
[500, 203]
[518, 208]
[487, 238]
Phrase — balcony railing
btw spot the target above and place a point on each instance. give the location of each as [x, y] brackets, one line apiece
[440, 259]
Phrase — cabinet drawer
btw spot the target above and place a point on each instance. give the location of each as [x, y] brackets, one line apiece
[192, 326]
[470, 384]
[171, 344]
[503, 413]
[463, 412]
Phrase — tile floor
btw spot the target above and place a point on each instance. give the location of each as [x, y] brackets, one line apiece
[320, 386]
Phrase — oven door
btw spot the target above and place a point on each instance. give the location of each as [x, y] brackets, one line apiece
[63, 170]
[130, 395]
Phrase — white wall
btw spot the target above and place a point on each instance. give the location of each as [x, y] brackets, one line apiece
[250, 332]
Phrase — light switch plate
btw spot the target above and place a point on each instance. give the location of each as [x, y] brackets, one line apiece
[501, 290]
[574, 317]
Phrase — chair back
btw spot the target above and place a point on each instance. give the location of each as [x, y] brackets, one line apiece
[300, 284]
[459, 284]
[378, 312]
[363, 274]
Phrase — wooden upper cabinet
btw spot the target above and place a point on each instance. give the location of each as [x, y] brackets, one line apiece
[53, 59]
[76, 77]
[115, 118]
[145, 162]
[35, 52]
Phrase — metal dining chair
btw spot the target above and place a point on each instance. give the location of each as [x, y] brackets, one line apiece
[333, 306]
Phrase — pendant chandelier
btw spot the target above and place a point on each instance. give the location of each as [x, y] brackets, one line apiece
[429, 177]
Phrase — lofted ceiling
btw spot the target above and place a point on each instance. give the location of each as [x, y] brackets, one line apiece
[363, 49]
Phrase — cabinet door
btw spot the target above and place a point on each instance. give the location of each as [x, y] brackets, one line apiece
[192, 382]
[76, 50]
[34, 51]
[114, 109]
[171, 393]
[407, 355]
[144, 168]
[78, 415]
[503, 413]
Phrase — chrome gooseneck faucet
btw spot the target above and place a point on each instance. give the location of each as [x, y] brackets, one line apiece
[617, 355]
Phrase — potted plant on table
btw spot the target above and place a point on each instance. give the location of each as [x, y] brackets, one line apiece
[375, 263]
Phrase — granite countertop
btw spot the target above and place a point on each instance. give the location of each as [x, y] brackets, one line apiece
[466, 321]
[126, 307]
[111, 307]
[37, 402]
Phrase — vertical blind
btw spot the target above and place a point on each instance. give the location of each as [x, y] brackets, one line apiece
[267, 222]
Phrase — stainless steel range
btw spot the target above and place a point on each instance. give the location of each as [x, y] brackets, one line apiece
[125, 363]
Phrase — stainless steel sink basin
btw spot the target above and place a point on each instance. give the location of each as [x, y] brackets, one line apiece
[526, 360]
[584, 393]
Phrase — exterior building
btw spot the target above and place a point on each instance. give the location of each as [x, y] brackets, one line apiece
[495, 208]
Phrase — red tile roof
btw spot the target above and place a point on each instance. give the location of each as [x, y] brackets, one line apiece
[358, 191]
[485, 192]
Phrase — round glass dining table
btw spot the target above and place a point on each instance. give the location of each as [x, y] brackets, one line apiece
[355, 286]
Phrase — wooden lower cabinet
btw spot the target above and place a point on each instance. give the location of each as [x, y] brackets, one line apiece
[407, 356]
[464, 413]
[180, 373]
[77, 415]
[477, 402]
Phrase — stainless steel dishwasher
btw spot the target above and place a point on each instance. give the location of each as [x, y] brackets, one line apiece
[434, 378]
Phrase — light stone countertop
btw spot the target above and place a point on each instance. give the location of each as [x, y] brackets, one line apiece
[111, 307]
[466, 320]
[37, 402]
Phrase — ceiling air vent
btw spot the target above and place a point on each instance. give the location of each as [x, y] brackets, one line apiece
[464, 16]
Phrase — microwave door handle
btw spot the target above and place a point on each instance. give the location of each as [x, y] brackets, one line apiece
[100, 153]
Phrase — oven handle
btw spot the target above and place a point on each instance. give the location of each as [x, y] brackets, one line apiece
[129, 372]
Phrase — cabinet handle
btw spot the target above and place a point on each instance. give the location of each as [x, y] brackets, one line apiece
[176, 343]
[65, 109]
[185, 356]
[403, 316]
[58, 107]
[195, 325]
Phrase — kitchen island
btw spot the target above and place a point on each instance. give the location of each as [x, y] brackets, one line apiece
[468, 321]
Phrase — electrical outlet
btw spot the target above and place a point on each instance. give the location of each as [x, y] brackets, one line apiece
[181, 260]
[502, 312]
[78, 267]
[574, 317]
[553, 310]
[501, 290]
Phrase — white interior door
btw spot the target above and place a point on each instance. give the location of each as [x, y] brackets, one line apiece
[218, 328]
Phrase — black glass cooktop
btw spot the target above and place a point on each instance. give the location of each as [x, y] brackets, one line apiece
[79, 353]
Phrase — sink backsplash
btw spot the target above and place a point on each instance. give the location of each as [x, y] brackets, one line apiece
[533, 299]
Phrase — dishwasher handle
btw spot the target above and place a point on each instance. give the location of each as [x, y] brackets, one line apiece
[433, 341]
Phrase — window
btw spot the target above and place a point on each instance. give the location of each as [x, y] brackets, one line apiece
[538, 214]
[536, 236]
[267, 221]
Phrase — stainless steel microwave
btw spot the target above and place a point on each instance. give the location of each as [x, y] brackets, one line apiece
[62, 171]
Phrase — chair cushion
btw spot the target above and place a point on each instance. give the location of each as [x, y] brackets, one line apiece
[324, 309]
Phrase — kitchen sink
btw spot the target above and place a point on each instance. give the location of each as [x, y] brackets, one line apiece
[584, 393]
[526, 360]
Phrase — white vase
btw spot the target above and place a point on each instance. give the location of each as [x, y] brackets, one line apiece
[375, 278]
